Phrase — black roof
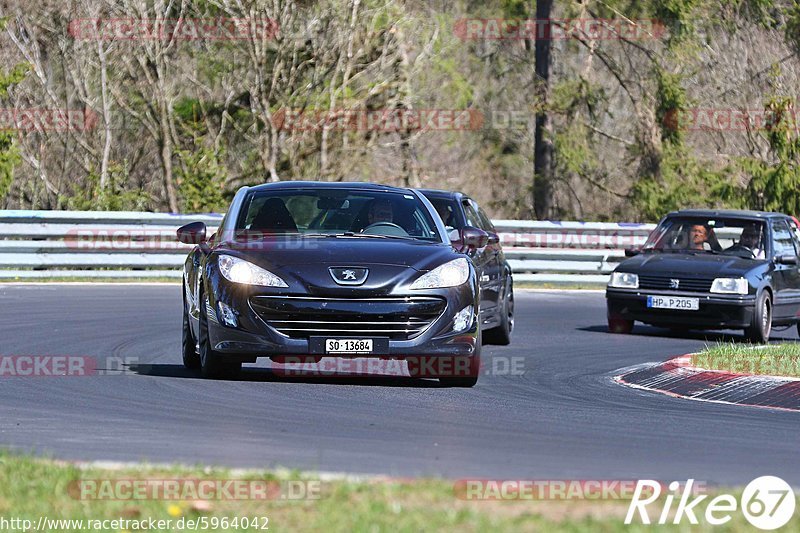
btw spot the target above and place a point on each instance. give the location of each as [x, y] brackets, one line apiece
[362, 185]
[729, 213]
[440, 193]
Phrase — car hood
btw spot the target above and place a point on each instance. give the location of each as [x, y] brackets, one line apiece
[340, 251]
[305, 263]
[700, 265]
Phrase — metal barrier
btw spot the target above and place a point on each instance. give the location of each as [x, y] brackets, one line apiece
[96, 244]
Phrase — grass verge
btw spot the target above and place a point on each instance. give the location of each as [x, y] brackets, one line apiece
[33, 488]
[769, 360]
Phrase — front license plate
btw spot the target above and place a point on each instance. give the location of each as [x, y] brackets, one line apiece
[671, 302]
[348, 345]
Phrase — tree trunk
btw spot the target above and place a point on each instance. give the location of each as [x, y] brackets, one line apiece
[543, 135]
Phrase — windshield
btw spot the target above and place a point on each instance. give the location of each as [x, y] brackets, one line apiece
[728, 236]
[337, 212]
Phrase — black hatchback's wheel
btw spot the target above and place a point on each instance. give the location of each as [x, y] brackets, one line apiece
[212, 363]
[501, 335]
[191, 359]
[618, 324]
[761, 323]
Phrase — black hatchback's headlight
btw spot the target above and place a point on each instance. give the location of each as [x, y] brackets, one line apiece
[623, 280]
[730, 286]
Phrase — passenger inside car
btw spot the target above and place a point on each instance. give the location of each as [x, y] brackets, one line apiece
[274, 217]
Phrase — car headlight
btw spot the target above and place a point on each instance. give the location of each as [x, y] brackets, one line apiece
[730, 286]
[450, 274]
[241, 271]
[624, 280]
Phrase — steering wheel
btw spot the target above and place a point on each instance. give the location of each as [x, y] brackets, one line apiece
[385, 224]
[739, 246]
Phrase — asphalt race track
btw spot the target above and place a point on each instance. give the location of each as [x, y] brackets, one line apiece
[563, 418]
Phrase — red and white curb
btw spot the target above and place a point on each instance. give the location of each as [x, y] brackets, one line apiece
[678, 378]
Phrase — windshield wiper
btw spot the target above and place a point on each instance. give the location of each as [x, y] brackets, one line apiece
[353, 234]
[405, 238]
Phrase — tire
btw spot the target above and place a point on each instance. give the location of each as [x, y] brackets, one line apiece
[426, 367]
[761, 324]
[473, 365]
[213, 364]
[191, 359]
[501, 335]
[619, 325]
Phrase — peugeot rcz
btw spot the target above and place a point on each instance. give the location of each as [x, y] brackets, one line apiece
[311, 270]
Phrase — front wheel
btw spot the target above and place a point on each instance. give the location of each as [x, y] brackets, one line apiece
[191, 359]
[212, 363]
[456, 371]
[472, 365]
[619, 325]
[761, 323]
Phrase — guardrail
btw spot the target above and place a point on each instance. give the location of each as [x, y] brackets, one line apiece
[95, 244]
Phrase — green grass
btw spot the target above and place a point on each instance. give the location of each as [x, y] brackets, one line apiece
[769, 360]
[30, 488]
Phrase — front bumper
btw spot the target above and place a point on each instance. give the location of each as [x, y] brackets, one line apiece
[255, 335]
[716, 310]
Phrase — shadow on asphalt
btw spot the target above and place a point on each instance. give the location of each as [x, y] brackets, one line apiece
[712, 336]
[266, 375]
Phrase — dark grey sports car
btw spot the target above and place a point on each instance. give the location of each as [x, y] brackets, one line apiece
[310, 269]
[461, 214]
[707, 269]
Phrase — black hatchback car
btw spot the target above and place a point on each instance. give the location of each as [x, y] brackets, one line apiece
[463, 217]
[707, 269]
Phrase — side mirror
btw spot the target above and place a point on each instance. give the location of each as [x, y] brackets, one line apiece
[474, 238]
[786, 259]
[630, 252]
[193, 233]
[494, 238]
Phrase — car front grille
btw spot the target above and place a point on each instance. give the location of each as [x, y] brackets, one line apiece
[684, 284]
[301, 317]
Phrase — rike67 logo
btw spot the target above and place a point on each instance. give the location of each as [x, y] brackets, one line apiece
[767, 502]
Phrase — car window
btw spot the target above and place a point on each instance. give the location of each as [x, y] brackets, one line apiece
[783, 239]
[446, 208]
[336, 211]
[731, 236]
[486, 222]
[472, 216]
[795, 233]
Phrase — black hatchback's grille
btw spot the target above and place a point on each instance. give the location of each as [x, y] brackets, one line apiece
[667, 283]
[394, 317]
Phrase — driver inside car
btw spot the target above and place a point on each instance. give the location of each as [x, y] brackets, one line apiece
[751, 239]
[380, 211]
